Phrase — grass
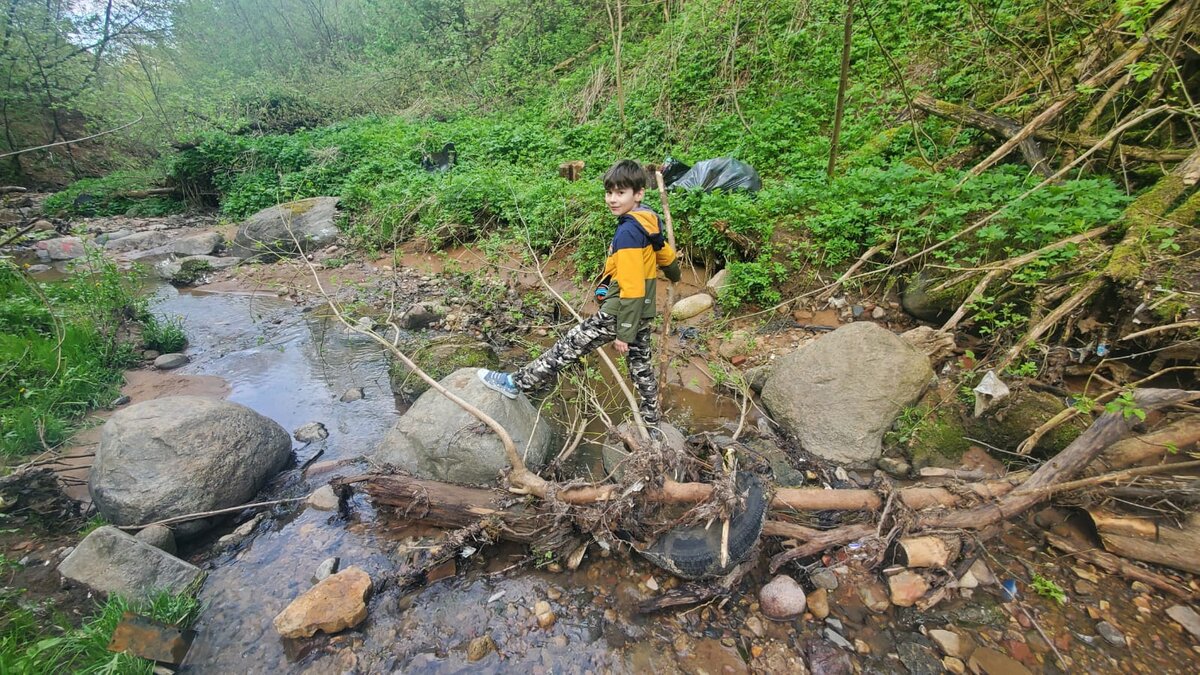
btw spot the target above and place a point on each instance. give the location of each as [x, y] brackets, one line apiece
[163, 334]
[34, 639]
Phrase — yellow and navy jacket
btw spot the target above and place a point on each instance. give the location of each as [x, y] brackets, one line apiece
[637, 251]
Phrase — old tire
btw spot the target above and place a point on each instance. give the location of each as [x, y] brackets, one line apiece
[694, 552]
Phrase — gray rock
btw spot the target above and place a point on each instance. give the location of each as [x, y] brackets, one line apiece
[782, 599]
[203, 243]
[38, 269]
[119, 401]
[757, 377]
[919, 659]
[717, 282]
[111, 561]
[1186, 617]
[781, 465]
[150, 355]
[826, 659]
[836, 638]
[63, 248]
[693, 305]
[439, 357]
[1111, 634]
[43, 225]
[353, 394]
[437, 439]
[276, 231]
[311, 432]
[840, 393]
[327, 568]
[138, 241]
[738, 343]
[878, 313]
[323, 499]
[105, 237]
[823, 577]
[894, 466]
[183, 454]
[171, 361]
[421, 315]
[159, 536]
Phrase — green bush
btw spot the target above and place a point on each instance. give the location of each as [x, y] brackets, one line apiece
[102, 197]
[163, 334]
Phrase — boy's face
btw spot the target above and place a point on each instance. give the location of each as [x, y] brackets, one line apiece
[622, 200]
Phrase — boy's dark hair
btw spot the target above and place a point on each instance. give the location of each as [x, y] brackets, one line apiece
[626, 174]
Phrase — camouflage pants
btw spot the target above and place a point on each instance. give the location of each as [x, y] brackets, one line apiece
[595, 332]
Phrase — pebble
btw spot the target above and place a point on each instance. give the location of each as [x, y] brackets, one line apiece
[1110, 633]
[328, 567]
[949, 642]
[824, 578]
[553, 593]
[878, 313]
[836, 638]
[1139, 587]
[782, 599]
[755, 626]
[352, 394]
[954, 665]
[311, 432]
[323, 499]
[861, 647]
[1084, 587]
[1186, 617]
[818, 603]
[171, 361]
[480, 647]
[873, 596]
[651, 584]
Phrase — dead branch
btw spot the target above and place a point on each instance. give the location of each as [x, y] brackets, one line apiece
[666, 207]
[208, 514]
[1164, 24]
[1158, 329]
[1182, 434]
[1115, 565]
[833, 288]
[1080, 296]
[1143, 215]
[5, 189]
[73, 140]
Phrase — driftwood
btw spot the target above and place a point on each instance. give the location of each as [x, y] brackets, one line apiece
[1115, 565]
[1182, 434]
[1148, 540]
[929, 550]
[6, 189]
[150, 192]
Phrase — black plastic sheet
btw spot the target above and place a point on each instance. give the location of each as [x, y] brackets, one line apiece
[721, 173]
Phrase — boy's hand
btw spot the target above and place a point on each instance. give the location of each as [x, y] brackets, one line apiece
[621, 347]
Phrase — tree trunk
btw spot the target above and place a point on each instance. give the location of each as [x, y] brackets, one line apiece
[847, 35]
[1144, 214]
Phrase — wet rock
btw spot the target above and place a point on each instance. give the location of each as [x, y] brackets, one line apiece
[1084, 587]
[327, 568]
[1186, 617]
[148, 639]
[718, 281]
[323, 499]
[335, 604]
[691, 306]
[171, 361]
[977, 613]
[906, 588]
[818, 603]
[439, 357]
[738, 343]
[837, 639]
[112, 561]
[63, 248]
[422, 315]
[352, 394]
[311, 432]
[159, 536]
[894, 466]
[183, 454]
[782, 599]
[954, 665]
[757, 376]
[545, 616]
[985, 661]
[839, 394]
[1111, 634]
[950, 643]
[437, 439]
[480, 647]
[277, 230]
[138, 241]
[873, 595]
[823, 577]
[918, 659]
[826, 659]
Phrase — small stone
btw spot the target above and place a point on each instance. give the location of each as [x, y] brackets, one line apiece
[119, 401]
[352, 394]
[480, 647]
[954, 665]
[968, 580]
[982, 573]
[323, 499]
[907, 587]
[151, 640]
[1142, 602]
[755, 626]
[150, 355]
[159, 536]
[545, 621]
[311, 432]
[651, 584]
[171, 361]
[818, 603]
[878, 313]
[987, 661]
[823, 577]
[1186, 617]
[836, 638]
[861, 647]
[1083, 587]
[1111, 634]
[894, 466]
[335, 604]
[782, 599]
[691, 306]
[873, 596]
[553, 593]
[1139, 587]
[1086, 575]
[756, 651]
[327, 568]
[949, 642]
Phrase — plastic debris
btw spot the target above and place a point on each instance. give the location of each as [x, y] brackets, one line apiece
[989, 390]
[1009, 587]
[722, 173]
[1102, 349]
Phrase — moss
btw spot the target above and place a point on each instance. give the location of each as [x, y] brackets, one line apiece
[920, 300]
[1018, 416]
[1143, 215]
[190, 272]
[939, 439]
[438, 358]
[300, 206]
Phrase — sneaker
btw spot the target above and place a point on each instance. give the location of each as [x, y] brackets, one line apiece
[501, 382]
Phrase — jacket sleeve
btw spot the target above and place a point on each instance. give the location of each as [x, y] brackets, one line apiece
[668, 261]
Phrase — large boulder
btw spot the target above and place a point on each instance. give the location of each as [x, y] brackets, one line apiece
[439, 440]
[276, 231]
[183, 454]
[62, 248]
[112, 561]
[840, 393]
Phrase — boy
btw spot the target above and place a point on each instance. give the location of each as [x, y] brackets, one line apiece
[626, 297]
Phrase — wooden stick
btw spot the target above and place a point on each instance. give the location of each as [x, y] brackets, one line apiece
[1069, 305]
[1159, 329]
[73, 140]
[205, 514]
[666, 207]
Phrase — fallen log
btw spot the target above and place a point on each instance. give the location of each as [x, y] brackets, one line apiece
[1115, 565]
[144, 194]
[1126, 263]
[1148, 540]
[1183, 435]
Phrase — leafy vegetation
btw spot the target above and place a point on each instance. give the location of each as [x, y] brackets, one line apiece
[35, 639]
[163, 334]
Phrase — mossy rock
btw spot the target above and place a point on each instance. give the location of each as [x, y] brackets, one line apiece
[939, 439]
[1017, 416]
[920, 300]
[439, 357]
[191, 271]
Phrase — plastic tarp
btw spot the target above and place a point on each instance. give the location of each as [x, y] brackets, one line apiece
[721, 173]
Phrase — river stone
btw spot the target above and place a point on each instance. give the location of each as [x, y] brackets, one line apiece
[907, 588]
[1187, 617]
[823, 577]
[718, 281]
[782, 599]
[986, 661]
[918, 659]
[336, 603]
[757, 377]
[63, 248]
[437, 439]
[693, 305]
[818, 603]
[438, 358]
[112, 561]
[105, 237]
[275, 231]
[138, 241]
[183, 454]
[840, 393]
[422, 314]
[323, 499]
[159, 536]
[171, 361]
[311, 432]
[824, 658]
